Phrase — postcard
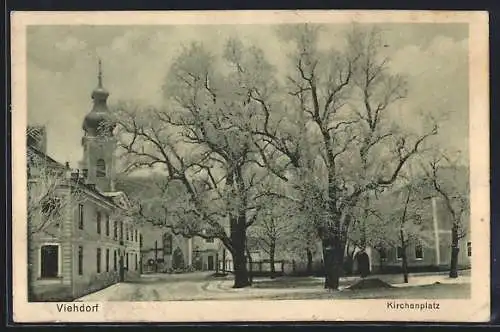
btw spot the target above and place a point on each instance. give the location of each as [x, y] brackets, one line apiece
[250, 166]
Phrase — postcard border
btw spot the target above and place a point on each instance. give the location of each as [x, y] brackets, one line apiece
[477, 309]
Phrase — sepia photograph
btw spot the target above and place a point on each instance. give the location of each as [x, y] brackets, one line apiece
[249, 166]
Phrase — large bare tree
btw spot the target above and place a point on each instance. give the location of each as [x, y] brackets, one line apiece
[325, 133]
[201, 141]
[343, 99]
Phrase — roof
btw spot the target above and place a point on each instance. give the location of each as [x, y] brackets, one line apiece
[33, 152]
[149, 186]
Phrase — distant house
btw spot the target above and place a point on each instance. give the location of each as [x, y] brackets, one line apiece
[435, 252]
[432, 251]
[431, 255]
[161, 249]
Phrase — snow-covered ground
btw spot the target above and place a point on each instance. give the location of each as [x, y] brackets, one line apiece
[201, 286]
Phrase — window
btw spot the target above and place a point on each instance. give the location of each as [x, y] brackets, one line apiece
[399, 252]
[98, 260]
[135, 235]
[140, 240]
[80, 216]
[114, 260]
[419, 251]
[167, 244]
[121, 230]
[126, 232]
[469, 249]
[98, 220]
[107, 260]
[49, 261]
[107, 225]
[136, 262]
[80, 260]
[115, 230]
[211, 240]
[100, 170]
[127, 260]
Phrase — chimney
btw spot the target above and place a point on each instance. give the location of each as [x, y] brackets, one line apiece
[37, 138]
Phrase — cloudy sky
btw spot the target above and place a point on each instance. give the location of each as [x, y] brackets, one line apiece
[62, 67]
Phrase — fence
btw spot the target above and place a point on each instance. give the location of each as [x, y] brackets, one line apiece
[281, 268]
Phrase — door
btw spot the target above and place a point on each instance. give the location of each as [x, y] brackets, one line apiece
[210, 263]
[49, 261]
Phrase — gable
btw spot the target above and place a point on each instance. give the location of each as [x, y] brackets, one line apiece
[123, 201]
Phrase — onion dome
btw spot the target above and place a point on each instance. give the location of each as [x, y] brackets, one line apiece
[98, 121]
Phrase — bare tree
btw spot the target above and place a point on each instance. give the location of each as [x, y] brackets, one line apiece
[410, 226]
[356, 155]
[273, 229]
[230, 124]
[450, 182]
[398, 218]
[201, 141]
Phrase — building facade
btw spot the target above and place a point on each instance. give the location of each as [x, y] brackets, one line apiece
[206, 253]
[93, 242]
[435, 254]
[163, 251]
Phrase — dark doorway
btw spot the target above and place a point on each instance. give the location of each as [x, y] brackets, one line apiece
[210, 263]
[49, 261]
[363, 264]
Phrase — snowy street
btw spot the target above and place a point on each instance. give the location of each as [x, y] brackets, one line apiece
[202, 286]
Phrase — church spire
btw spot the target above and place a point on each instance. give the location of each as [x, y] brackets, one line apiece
[97, 122]
[99, 74]
[100, 95]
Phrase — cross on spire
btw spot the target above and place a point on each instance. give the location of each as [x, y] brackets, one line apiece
[99, 75]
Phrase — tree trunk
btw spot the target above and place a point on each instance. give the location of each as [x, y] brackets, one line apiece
[404, 257]
[333, 257]
[238, 241]
[217, 263]
[309, 262]
[250, 263]
[454, 253]
[224, 260]
[405, 266]
[272, 250]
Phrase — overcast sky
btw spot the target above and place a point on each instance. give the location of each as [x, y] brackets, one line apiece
[62, 69]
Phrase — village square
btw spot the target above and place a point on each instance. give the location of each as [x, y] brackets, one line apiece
[306, 177]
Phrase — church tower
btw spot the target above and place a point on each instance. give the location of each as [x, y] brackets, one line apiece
[99, 143]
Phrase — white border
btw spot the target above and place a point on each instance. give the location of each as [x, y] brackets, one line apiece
[475, 309]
